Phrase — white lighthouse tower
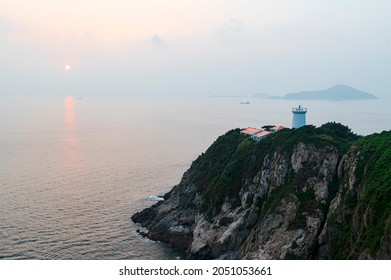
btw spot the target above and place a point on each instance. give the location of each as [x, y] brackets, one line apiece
[298, 117]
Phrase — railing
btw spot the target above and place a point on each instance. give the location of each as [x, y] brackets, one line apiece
[299, 109]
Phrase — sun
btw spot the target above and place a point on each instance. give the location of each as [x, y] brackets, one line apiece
[67, 67]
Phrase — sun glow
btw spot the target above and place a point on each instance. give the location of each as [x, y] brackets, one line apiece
[67, 67]
[69, 103]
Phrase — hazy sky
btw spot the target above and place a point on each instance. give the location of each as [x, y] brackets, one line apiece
[193, 47]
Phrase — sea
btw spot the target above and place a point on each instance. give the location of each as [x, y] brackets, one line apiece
[75, 169]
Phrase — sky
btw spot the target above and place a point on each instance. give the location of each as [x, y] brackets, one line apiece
[193, 47]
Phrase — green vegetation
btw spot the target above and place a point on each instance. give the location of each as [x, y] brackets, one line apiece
[291, 256]
[268, 127]
[340, 135]
[339, 242]
[371, 200]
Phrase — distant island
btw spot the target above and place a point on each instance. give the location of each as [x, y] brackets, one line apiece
[337, 92]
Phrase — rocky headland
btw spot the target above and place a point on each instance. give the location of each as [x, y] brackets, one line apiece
[307, 193]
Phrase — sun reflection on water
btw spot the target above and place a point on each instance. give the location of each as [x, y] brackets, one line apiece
[71, 140]
[69, 112]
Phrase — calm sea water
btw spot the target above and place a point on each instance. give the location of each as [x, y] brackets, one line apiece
[74, 170]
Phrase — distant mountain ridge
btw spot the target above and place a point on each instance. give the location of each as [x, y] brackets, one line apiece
[337, 92]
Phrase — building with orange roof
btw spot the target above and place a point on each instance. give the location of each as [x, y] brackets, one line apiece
[277, 128]
[250, 130]
[260, 135]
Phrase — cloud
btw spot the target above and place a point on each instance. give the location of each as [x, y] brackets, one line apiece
[233, 26]
[89, 34]
[158, 41]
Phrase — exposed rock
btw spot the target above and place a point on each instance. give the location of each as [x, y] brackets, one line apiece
[299, 203]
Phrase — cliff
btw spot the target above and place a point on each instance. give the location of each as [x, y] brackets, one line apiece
[308, 193]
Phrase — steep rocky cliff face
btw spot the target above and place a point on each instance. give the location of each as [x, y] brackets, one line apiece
[299, 194]
[358, 225]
